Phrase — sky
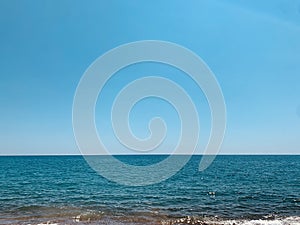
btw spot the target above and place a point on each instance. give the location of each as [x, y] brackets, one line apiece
[252, 47]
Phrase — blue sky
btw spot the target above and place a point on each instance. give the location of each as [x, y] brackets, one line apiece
[253, 48]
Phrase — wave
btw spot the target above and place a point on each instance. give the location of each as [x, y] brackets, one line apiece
[93, 218]
[293, 220]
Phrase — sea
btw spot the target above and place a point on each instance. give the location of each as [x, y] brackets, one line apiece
[234, 190]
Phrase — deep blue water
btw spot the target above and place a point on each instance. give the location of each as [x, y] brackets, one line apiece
[65, 190]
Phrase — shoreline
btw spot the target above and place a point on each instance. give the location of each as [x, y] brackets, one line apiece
[75, 217]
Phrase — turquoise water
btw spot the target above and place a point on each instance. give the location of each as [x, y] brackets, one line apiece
[234, 189]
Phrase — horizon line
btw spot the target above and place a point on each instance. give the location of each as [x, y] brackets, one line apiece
[157, 154]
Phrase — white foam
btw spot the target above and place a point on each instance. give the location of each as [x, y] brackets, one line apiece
[48, 223]
[285, 221]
